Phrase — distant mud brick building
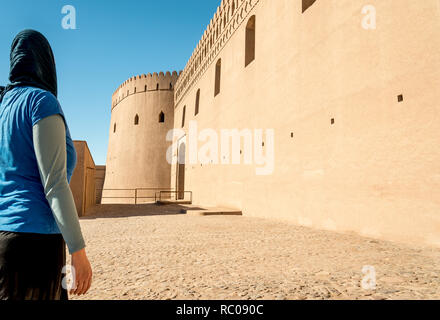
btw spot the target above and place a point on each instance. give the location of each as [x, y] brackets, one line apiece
[355, 111]
[99, 182]
[87, 179]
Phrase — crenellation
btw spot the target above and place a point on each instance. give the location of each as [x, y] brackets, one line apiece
[136, 85]
[219, 30]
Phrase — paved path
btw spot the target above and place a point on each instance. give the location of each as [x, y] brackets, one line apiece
[137, 254]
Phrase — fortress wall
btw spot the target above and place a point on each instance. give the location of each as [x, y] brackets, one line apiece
[136, 153]
[376, 170]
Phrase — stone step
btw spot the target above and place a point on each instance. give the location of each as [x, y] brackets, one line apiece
[165, 202]
[197, 211]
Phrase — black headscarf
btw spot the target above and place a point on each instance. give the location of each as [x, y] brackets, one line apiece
[32, 63]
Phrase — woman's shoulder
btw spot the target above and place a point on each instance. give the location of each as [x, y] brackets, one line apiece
[40, 94]
[31, 96]
[41, 103]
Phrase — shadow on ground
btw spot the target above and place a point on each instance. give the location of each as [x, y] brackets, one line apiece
[139, 210]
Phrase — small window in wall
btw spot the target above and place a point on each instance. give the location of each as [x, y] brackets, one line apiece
[134, 89]
[250, 41]
[171, 86]
[161, 117]
[157, 87]
[145, 89]
[196, 111]
[307, 4]
[218, 72]
[136, 120]
[183, 116]
[114, 128]
[400, 98]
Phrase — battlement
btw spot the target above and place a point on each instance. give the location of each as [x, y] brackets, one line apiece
[145, 83]
[227, 19]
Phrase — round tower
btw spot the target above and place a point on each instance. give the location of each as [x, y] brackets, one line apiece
[142, 114]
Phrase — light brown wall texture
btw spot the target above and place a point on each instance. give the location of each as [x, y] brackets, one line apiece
[376, 170]
[349, 154]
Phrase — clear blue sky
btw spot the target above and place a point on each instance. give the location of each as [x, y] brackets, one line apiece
[114, 41]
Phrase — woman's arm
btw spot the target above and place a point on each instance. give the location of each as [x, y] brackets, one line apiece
[49, 135]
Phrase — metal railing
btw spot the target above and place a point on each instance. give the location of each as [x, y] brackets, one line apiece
[136, 196]
[179, 196]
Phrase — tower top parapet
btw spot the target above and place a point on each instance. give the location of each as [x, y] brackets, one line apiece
[145, 83]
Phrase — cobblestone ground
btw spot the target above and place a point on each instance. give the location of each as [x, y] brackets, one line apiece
[140, 255]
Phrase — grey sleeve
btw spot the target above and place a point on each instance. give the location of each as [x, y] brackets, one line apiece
[49, 136]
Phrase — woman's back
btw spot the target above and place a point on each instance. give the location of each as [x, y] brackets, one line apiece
[23, 204]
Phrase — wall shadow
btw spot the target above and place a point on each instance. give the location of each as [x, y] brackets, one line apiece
[131, 210]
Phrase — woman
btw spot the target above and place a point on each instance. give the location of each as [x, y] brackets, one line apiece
[37, 158]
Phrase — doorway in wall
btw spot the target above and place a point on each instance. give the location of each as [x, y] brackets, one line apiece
[180, 179]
